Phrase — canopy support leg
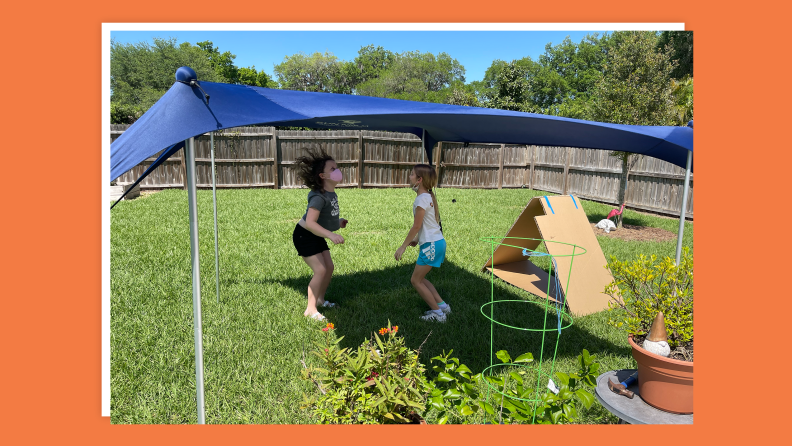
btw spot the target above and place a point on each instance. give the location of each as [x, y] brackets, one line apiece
[214, 201]
[684, 207]
[189, 151]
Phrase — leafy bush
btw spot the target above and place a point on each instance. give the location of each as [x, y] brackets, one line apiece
[382, 382]
[454, 391]
[553, 408]
[642, 288]
[457, 398]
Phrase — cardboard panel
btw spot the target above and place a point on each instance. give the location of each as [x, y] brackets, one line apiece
[527, 276]
[525, 226]
[556, 219]
[565, 221]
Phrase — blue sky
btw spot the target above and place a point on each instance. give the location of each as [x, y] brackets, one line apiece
[475, 50]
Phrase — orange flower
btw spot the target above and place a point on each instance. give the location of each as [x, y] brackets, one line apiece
[330, 326]
[383, 331]
[395, 329]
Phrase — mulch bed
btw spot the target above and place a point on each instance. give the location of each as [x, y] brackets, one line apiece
[636, 233]
[682, 352]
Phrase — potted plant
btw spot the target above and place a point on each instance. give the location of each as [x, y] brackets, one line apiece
[640, 290]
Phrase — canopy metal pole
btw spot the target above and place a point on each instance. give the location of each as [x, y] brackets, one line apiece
[189, 151]
[684, 207]
[423, 147]
[214, 201]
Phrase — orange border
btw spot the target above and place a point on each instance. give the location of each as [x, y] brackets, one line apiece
[51, 312]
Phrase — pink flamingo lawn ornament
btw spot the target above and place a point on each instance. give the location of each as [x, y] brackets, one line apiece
[615, 212]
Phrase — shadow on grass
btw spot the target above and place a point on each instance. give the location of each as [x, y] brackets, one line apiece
[367, 300]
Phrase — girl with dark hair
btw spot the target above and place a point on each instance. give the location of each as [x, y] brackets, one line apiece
[428, 234]
[320, 173]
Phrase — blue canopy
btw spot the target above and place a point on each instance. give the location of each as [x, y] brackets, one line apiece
[191, 108]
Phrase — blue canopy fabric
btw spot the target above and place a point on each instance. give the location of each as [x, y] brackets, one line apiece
[184, 112]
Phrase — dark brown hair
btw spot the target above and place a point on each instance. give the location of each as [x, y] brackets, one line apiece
[310, 165]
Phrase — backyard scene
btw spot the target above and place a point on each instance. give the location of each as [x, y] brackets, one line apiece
[505, 353]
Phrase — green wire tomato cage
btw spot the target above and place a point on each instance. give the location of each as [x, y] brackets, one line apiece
[554, 308]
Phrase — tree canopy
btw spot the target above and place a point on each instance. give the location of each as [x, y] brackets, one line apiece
[630, 77]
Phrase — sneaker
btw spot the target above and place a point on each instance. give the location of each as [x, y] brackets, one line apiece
[446, 310]
[432, 316]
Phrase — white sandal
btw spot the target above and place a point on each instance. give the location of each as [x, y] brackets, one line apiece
[317, 316]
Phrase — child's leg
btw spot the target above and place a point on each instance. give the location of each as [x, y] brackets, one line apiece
[432, 290]
[317, 265]
[418, 282]
[329, 268]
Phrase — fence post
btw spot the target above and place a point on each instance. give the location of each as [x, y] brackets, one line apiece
[276, 158]
[183, 170]
[566, 170]
[500, 166]
[533, 157]
[360, 159]
[439, 163]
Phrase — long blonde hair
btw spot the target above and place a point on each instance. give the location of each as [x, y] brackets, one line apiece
[428, 177]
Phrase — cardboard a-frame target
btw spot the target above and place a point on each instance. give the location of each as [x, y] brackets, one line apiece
[556, 219]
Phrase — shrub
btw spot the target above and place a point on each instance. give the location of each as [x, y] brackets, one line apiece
[643, 287]
[381, 382]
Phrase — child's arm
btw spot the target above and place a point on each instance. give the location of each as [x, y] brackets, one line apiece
[416, 228]
[313, 226]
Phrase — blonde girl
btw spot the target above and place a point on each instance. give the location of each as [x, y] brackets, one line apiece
[426, 232]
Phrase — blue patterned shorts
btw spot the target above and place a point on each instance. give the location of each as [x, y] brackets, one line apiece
[432, 253]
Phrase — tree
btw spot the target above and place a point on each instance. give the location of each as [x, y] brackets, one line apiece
[141, 73]
[250, 76]
[635, 89]
[222, 63]
[371, 62]
[681, 43]
[461, 94]
[414, 76]
[557, 84]
[682, 90]
[317, 72]
[508, 86]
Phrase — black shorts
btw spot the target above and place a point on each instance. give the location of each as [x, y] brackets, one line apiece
[307, 243]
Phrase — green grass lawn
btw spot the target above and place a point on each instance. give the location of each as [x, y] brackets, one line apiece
[254, 339]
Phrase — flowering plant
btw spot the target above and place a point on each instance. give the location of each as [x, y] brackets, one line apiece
[381, 382]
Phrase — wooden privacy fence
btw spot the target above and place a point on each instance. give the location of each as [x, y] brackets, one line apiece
[264, 156]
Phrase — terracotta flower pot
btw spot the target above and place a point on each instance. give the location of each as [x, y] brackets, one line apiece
[664, 383]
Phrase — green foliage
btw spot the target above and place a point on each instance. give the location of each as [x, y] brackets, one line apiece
[414, 76]
[250, 76]
[561, 408]
[682, 91]
[141, 73]
[316, 72]
[454, 391]
[681, 44]
[635, 88]
[222, 63]
[371, 62]
[510, 87]
[559, 83]
[456, 395]
[382, 382]
[642, 287]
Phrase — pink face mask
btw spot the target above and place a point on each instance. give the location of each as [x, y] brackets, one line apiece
[336, 176]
